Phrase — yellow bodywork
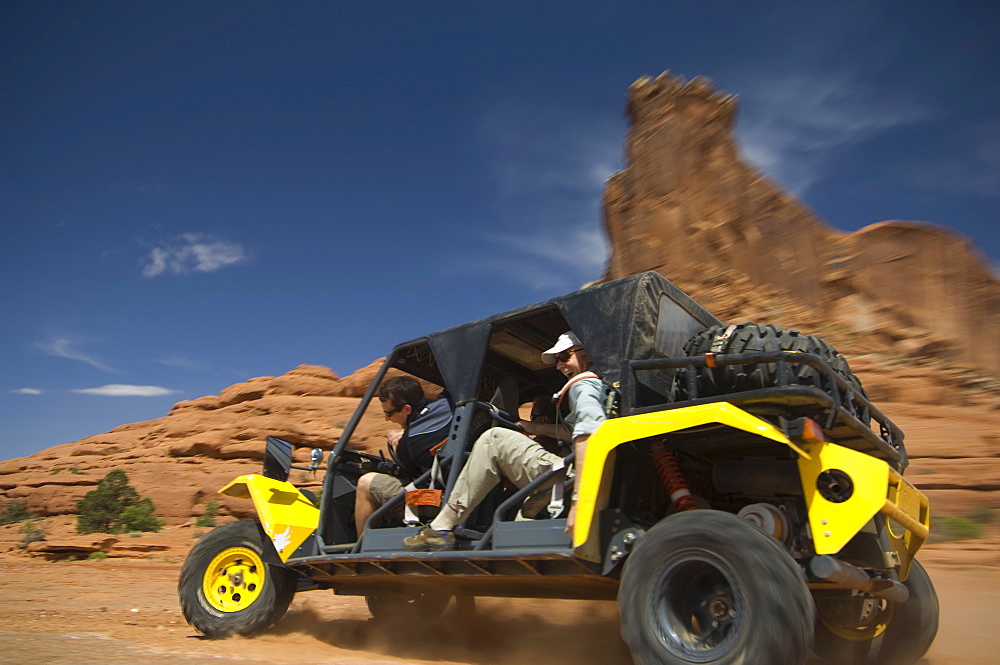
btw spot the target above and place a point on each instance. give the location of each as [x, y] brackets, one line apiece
[287, 516]
[878, 489]
[595, 476]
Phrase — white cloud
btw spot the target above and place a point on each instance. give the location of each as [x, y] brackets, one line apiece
[27, 391]
[550, 258]
[549, 169]
[790, 126]
[125, 390]
[193, 252]
[62, 347]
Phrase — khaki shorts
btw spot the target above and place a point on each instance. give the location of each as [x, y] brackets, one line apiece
[383, 488]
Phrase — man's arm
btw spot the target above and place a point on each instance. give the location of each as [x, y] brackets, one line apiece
[588, 412]
[552, 430]
[580, 446]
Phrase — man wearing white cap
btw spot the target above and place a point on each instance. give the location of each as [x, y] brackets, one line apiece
[501, 452]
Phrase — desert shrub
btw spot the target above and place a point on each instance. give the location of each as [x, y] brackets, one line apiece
[945, 528]
[13, 511]
[207, 517]
[140, 517]
[97, 555]
[115, 506]
[32, 533]
[983, 515]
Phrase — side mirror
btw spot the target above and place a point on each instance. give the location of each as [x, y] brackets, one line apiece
[315, 458]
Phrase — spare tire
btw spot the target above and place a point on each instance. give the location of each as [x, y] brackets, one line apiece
[755, 338]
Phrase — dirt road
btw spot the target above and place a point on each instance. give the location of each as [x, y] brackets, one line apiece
[126, 612]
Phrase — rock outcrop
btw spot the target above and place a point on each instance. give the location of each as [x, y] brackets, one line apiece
[687, 206]
[181, 460]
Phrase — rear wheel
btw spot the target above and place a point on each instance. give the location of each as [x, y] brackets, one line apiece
[847, 623]
[850, 627]
[915, 624]
[230, 583]
[707, 587]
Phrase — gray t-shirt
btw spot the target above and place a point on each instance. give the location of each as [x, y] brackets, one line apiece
[586, 406]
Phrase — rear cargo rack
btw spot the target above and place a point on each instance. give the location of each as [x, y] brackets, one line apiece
[837, 399]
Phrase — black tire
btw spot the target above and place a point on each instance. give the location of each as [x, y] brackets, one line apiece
[755, 338]
[413, 608]
[846, 625]
[708, 567]
[232, 582]
[848, 628]
[914, 623]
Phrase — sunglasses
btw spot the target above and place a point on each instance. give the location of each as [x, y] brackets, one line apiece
[564, 356]
[393, 412]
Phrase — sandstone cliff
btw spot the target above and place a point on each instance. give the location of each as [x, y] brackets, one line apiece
[183, 458]
[687, 206]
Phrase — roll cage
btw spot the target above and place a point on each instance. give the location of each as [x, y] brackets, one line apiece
[635, 330]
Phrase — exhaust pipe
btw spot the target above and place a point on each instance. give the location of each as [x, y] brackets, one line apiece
[836, 571]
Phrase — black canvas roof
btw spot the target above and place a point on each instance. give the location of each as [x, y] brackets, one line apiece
[637, 317]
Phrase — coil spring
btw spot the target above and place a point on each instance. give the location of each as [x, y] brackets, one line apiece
[673, 479]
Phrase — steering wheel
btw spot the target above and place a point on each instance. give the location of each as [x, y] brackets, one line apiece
[500, 416]
[392, 454]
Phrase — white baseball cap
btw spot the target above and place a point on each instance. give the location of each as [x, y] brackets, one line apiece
[567, 340]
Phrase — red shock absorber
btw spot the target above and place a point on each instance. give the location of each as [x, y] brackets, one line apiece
[672, 478]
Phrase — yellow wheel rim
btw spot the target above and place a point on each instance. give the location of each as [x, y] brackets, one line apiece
[876, 617]
[234, 579]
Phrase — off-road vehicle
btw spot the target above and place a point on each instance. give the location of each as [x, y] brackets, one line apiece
[744, 502]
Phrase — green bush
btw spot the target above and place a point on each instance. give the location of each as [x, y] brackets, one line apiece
[97, 555]
[115, 506]
[983, 515]
[31, 532]
[140, 517]
[13, 511]
[945, 528]
[207, 517]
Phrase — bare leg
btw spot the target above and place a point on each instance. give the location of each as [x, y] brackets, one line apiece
[364, 505]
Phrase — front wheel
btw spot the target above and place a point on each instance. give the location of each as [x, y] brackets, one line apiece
[710, 588]
[231, 585]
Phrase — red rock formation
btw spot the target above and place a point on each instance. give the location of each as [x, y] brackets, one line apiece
[183, 458]
[688, 206]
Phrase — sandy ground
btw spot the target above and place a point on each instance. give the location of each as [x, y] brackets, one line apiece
[125, 611]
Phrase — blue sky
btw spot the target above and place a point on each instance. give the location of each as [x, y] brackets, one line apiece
[196, 193]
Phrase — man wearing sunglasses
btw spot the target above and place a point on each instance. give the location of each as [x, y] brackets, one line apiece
[425, 424]
[502, 452]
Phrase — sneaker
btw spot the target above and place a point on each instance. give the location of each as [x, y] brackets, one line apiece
[429, 540]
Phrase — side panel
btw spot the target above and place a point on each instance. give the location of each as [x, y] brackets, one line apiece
[595, 480]
[287, 516]
[874, 488]
[834, 523]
